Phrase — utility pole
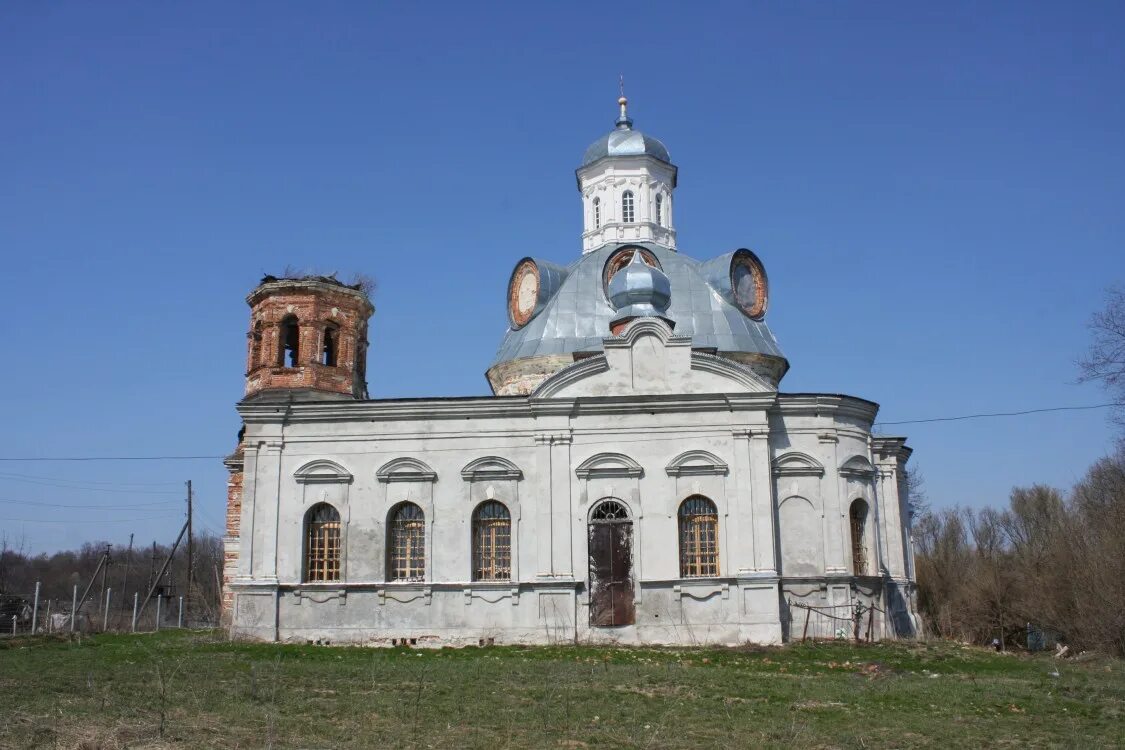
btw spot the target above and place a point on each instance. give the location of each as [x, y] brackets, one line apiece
[189, 548]
[125, 580]
[105, 570]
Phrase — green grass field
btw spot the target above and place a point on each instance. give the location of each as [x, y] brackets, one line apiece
[196, 690]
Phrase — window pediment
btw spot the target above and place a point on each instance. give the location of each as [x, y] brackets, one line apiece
[406, 470]
[608, 465]
[696, 463]
[797, 464]
[490, 468]
[321, 472]
[857, 466]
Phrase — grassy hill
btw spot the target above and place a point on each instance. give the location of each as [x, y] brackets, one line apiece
[197, 690]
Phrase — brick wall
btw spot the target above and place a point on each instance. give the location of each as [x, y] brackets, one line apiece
[316, 306]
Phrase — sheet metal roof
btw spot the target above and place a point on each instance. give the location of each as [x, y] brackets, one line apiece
[577, 317]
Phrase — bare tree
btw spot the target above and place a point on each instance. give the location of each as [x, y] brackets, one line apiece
[1105, 360]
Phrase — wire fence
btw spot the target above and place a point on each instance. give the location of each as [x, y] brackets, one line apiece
[30, 613]
[833, 621]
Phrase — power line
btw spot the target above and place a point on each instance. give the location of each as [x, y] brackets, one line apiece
[64, 484]
[1002, 414]
[112, 458]
[115, 483]
[99, 520]
[126, 506]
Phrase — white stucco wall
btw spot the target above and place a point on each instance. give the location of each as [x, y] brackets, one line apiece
[694, 424]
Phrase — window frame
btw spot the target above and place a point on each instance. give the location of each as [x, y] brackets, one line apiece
[857, 530]
[406, 543]
[628, 208]
[697, 520]
[323, 559]
[492, 542]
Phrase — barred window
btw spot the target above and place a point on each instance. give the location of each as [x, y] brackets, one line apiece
[322, 543]
[659, 209]
[492, 543]
[610, 510]
[858, 517]
[597, 213]
[627, 207]
[699, 538]
[407, 544]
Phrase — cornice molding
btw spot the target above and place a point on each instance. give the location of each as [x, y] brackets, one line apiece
[826, 404]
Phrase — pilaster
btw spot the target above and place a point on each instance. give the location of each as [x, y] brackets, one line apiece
[552, 515]
[833, 489]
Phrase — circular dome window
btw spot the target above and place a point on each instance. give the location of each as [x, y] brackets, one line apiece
[749, 283]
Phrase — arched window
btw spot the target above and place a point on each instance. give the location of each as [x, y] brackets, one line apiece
[406, 558]
[597, 213]
[492, 542]
[699, 538]
[329, 351]
[660, 209]
[627, 207]
[289, 342]
[610, 510]
[322, 543]
[858, 517]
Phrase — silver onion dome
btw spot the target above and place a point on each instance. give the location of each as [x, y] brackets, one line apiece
[625, 141]
[639, 291]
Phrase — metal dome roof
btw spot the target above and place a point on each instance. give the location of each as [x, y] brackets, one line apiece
[578, 314]
[624, 141]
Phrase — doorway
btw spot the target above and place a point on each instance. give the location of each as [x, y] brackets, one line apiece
[611, 565]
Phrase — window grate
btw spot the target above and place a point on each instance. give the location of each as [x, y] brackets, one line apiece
[858, 517]
[699, 538]
[408, 544]
[322, 544]
[492, 543]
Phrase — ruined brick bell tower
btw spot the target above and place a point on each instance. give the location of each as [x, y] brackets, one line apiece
[307, 340]
[308, 334]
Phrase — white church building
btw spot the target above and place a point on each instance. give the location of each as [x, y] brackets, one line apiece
[637, 476]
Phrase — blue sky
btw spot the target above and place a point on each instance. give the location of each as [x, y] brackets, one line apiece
[936, 191]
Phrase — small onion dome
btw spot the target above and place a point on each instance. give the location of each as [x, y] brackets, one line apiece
[623, 140]
[639, 291]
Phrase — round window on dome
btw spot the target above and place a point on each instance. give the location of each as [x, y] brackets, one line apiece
[749, 283]
[620, 259]
[523, 292]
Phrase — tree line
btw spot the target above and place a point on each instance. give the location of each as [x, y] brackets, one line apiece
[1052, 559]
[128, 572]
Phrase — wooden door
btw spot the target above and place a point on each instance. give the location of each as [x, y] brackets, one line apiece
[611, 573]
